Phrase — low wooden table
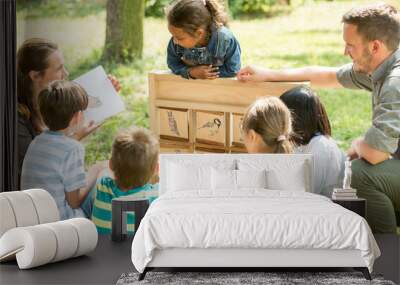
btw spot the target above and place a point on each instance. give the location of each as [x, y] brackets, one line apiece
[104, 265]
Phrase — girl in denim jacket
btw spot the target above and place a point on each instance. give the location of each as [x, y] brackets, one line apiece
[201, 47]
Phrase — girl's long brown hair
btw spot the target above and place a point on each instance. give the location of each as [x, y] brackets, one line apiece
[190, 15]
[31, 56]
[310, 116]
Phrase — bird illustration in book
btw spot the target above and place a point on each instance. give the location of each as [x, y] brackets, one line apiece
[173, 126]
[94, 102]
[212, 126]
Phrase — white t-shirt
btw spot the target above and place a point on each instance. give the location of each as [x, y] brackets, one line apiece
[328, 163]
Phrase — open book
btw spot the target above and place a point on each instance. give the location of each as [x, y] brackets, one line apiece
[104, 100]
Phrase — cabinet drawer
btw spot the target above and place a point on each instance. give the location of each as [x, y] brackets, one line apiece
[236, 130]
[205, 150]
[236, 149]
[174, 124]
[174, 147]
[210, 127]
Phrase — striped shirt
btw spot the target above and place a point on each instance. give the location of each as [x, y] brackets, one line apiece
[55, 163]
[106, 190]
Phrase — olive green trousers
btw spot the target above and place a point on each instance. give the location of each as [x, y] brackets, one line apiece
[380, 185]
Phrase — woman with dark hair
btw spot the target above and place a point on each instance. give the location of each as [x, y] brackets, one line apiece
[313, 135]
[39, 62]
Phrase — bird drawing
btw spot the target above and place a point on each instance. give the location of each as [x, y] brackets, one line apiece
[94, 102]
[173, 127]
[212, 126]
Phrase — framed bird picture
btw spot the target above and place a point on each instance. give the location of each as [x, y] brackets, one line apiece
[236, 130]
[210, 127]
[174, 124]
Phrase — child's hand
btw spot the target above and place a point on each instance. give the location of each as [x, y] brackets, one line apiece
[86, 130]
[100, 166]
[204, 72]
[114, 82]
[354, 151]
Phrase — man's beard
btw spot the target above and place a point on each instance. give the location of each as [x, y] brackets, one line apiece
[364, 63]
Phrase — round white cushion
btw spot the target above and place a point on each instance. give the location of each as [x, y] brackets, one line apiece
[40, 244]
[23, 208]
[26, 208]
[7, 218]
[46, 207]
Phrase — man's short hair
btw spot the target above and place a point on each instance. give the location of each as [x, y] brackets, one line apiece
[59, 102]
[376, 22]
[134, 157]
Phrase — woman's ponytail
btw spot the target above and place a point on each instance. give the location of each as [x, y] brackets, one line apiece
[284, 144]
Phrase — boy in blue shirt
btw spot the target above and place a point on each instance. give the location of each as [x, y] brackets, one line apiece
[134, 160]
[54, 161]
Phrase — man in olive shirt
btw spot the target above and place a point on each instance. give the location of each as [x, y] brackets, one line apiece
[372, 37]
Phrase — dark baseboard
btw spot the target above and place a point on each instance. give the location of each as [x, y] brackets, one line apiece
[388, 263]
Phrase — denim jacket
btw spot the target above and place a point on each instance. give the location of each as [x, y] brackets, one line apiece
[223, 50]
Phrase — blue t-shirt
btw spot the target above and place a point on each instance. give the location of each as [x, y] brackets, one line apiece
[55, 163]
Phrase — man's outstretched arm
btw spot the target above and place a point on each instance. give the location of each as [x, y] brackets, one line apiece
[319, 76]
[361, 149]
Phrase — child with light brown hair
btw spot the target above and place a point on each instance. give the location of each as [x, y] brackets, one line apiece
[267, 127]
[134, 161]
[54, 160]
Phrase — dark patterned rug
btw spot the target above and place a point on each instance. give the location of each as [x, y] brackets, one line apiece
[243, 278]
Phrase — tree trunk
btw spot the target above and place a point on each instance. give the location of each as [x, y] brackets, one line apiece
[226, 6]
[124, 31]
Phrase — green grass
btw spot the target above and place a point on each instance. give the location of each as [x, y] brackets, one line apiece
[310, 35]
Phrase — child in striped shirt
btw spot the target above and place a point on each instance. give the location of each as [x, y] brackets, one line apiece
[54, 160]
[133, 162]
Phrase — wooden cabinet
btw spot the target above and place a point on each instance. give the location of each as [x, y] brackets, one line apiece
[203, 116]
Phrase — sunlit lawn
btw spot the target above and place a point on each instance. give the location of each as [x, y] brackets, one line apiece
[310, 35]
